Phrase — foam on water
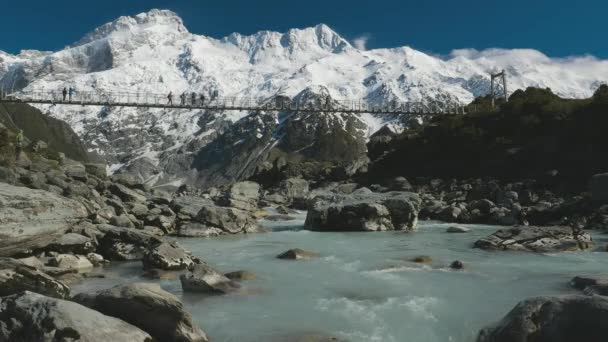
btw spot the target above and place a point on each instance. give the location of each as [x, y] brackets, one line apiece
[362, 287]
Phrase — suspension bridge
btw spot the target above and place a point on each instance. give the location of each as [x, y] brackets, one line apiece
[148, 100]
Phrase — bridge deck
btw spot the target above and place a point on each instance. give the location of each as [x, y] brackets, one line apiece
[231, 104]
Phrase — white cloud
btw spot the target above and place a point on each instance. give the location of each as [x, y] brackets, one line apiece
[361, 41]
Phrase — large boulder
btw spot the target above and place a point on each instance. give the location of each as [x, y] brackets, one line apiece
[168, 256]
[241, 195]
[364, 210]
[31, 219]
[189, 206]
[126, 194]
[536, 239]
[552, 319]
[147, 307]
[30, 316]
[229, 220]
[16, 276]
[203, 278]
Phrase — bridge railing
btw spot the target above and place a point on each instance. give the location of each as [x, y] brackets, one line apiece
[233, 103]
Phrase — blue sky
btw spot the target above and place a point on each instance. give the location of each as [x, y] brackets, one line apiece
[558, 28]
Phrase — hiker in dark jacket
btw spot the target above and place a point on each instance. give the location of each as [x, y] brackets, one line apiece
[193, 98]
[170, 98]
[65, 93]
[182, 98]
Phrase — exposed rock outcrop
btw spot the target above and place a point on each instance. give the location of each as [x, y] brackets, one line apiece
[32, 219]
[536, 239]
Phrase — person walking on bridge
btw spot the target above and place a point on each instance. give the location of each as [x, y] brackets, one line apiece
[71, 92]
[193, 98]
[170, 98]
[202, 99]
[65, 93]
[182, 98]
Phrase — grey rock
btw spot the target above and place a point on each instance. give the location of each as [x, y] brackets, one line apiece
[97, 170]
[591, 285]
[189, 205]
[555, 319]
[16, 276]
[147, 307]
[458, 229]
[364, 211]
[95, 259]
[195, 229]
[168, 256]
[122, 221]
[76, 171]
[536, 239]
[69, 261]
[121, 244]
[203, 278]
[295, 188]
[35, 180]
[30, 316]
[126, 194]
[297, 254]
[71, 243]
[138, 209]
[31, 219]
[229, 220]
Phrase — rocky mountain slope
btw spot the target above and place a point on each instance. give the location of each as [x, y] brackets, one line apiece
[154, 53]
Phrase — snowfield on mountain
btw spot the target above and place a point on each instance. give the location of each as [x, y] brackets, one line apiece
[154, 53]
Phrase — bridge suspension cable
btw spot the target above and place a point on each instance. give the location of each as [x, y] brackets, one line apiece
[151, 100]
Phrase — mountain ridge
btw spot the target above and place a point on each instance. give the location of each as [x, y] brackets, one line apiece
[154, 52]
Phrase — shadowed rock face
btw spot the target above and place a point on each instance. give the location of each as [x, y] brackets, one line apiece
[16, 277]
[36, 126]
[148, 307]
[536, 239]
[552, 319]
[33, 317]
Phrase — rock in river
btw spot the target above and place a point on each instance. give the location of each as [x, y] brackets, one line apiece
[203, 278]
[168, 256]
[297, 254]
[536, 239]
[364, 210]
[147, 307]
[552, 319]
[30, 316]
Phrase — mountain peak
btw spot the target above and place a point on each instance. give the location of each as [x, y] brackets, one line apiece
[164, 21]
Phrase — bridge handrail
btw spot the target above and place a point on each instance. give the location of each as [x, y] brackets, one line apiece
[98, 97]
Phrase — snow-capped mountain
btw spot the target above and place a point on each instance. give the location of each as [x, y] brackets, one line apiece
[153, 52]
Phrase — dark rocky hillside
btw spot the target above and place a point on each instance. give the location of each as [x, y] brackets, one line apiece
[536, 134]
[38, 127]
